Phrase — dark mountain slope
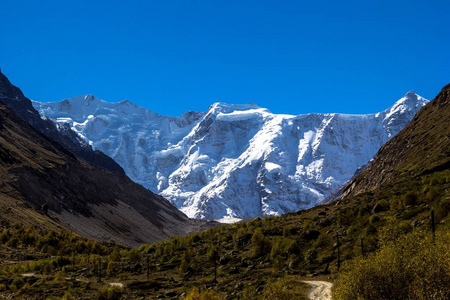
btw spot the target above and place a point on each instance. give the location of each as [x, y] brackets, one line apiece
[422, 147]
[14, 99]
[92, 201]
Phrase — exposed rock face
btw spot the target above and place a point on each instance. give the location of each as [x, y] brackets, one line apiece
[234, 160]
[15, 100]
[422, 147]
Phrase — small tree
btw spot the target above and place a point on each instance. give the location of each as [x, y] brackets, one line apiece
[185, 260]
[261, 245]
[134, 255]
[115, 255]
[213, 255]
[110, 269]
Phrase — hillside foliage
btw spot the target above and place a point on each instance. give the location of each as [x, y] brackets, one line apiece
[413, 266]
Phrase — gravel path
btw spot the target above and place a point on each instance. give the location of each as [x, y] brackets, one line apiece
[116, 284]
[320, 290]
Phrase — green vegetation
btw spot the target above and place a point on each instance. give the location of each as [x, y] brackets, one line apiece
[265, 258]
[412, 266]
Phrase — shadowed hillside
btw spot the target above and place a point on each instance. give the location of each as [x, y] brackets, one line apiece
[39, 173]
[423, 147]
[15, 100]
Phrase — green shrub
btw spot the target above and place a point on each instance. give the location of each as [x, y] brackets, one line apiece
[13, 242]
[5, 236]
[25, 288]
[18, 282]
[12, 287]
[442, 209]
[196, 294]
[411, 198]
[290, 230]
[396, 203]
[110, 293]
[384, 205]
[60, 276]
[261, 245]
[411, 267]
[374, 219]
[134, 255]
[68, 296]
[185, 260]
[346, 217]
[311, 256]
[110, 269]
[115, 255]
[280, 289]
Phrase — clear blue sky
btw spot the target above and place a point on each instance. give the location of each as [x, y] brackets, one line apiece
[173, 56]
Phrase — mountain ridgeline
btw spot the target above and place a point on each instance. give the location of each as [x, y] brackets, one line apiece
[48, 184]
[234, 160]
[422, 147]
[15, 100]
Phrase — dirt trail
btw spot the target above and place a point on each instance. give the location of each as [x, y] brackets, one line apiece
[118, 284]
[320, 290]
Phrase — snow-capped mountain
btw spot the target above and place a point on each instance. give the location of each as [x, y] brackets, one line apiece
[234, 160]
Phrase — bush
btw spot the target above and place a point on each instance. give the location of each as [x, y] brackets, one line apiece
[396, 203]
[345, 217]
[110, 293]
[68, 296]
[280, 289]
[60, 276]
[13, 242]
[18, 282]
[185, 260]
[443, 209]
[195, 294]
[134, 255]
[311, 256]
[5, 236]
[383, 205]
[110, 269]
[413, 267]
[261, 245]
[374, 219]
[411, 198]
[115, 255]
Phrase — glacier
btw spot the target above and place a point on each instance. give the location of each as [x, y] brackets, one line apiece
[233, 161]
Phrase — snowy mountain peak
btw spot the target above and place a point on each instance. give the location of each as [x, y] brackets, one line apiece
[235, 160]
[403, 110]
[236, 112]
[221, 107]
[128, 103]
[410, 100]
[89, 98]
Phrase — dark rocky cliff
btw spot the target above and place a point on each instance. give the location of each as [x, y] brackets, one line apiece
[15, 100]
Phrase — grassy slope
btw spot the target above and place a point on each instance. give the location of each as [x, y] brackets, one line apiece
[253, 254]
